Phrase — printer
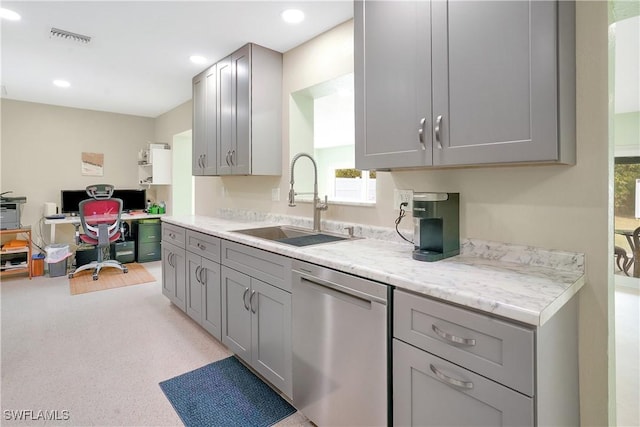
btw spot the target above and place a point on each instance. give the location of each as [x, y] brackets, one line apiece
[10, 211]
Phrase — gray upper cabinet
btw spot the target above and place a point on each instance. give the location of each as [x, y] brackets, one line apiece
[464, 83]
[250, 112]
[392, 84]
[205, 126]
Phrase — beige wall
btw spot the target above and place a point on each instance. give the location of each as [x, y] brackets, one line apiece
[41, 146]
[173, 122]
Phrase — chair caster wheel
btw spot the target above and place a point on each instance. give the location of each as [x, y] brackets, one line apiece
[70, 275]
[95, 277]
[125, 270]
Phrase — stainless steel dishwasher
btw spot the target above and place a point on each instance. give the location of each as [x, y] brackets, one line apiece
[340, 371]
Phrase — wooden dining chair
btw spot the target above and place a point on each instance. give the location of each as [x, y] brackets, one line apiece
[623, 261]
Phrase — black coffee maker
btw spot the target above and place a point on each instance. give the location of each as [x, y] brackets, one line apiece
[436, 218]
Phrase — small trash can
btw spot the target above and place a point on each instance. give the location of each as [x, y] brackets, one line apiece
[57, 254]
[37, 265]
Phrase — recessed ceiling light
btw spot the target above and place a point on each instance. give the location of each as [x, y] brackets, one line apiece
[197, 59]
[61, 83]
[293, 16]
[9, 14]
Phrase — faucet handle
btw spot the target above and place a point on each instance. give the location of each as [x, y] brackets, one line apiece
[350, 230]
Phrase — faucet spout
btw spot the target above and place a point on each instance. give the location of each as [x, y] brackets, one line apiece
[318, 206]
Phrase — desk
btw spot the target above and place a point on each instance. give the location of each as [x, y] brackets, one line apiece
[75, 221]
[635, 250]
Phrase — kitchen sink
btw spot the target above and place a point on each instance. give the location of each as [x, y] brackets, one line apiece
[292, 235]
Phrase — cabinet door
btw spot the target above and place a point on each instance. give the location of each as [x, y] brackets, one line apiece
[199, 123]
[424, 394]
[211, 308]
[225, 115]
[173, 274]
[392, 84]
[271, 334]
[236, 315]
[195, 289]
[210, 149]
[494, 81]
[241, 149]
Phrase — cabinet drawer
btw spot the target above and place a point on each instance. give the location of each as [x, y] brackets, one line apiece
[491, 347]
[173, 234]
[147, 233]
[203, 245]
[429, 391]
[149, 252]
[262, 265]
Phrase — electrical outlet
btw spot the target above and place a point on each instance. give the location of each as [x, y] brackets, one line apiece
[403, 196]
[275, 194]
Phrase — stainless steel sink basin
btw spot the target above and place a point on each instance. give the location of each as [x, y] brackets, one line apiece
[292, 235]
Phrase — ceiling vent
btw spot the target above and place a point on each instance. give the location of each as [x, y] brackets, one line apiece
[62, 34]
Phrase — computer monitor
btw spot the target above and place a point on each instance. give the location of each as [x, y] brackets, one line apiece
[132, 200]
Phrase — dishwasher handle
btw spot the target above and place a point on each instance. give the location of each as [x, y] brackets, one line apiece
[340, 288]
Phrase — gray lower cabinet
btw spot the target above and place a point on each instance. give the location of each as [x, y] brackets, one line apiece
[458, 367]
[464, 82]
[256, 326]
[429, 391]
[256, 311]
[203, 281]
[173, 274]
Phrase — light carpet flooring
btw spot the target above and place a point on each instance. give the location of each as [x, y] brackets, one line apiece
[99, 356]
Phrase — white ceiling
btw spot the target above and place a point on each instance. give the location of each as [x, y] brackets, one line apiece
[138, 59]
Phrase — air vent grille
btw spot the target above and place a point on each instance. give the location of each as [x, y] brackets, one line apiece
[68, 35]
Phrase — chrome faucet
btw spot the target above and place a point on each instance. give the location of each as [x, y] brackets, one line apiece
[318, 206]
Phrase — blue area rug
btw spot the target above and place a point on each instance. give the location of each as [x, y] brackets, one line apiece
[225, 393]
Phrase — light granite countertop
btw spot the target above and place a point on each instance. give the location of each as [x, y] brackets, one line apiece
[521, 283]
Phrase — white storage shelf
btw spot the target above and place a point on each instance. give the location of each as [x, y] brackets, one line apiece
[157, 170]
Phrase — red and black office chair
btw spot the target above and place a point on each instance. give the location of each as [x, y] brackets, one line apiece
[100, 217]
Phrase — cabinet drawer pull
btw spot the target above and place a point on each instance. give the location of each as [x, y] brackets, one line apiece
[227, 158]
[203, 276]
[453, 338]
[201, 246]
[198, 270]
[447, 379]
[253, 310]
[437, 129]
[233, 154]
[421, 131]
[244, 299]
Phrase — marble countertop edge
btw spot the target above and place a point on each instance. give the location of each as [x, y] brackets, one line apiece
[490, 278]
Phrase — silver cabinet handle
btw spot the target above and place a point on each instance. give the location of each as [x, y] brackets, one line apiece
[203, 276]
[447, 379]
[204, 160]
[233, 154]
[198, 270]
[244, 299]
[201, 246]
[452, 338]
[170, 259]
[253, 293]
[227, 158]
[437, 129]
[421, 131]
